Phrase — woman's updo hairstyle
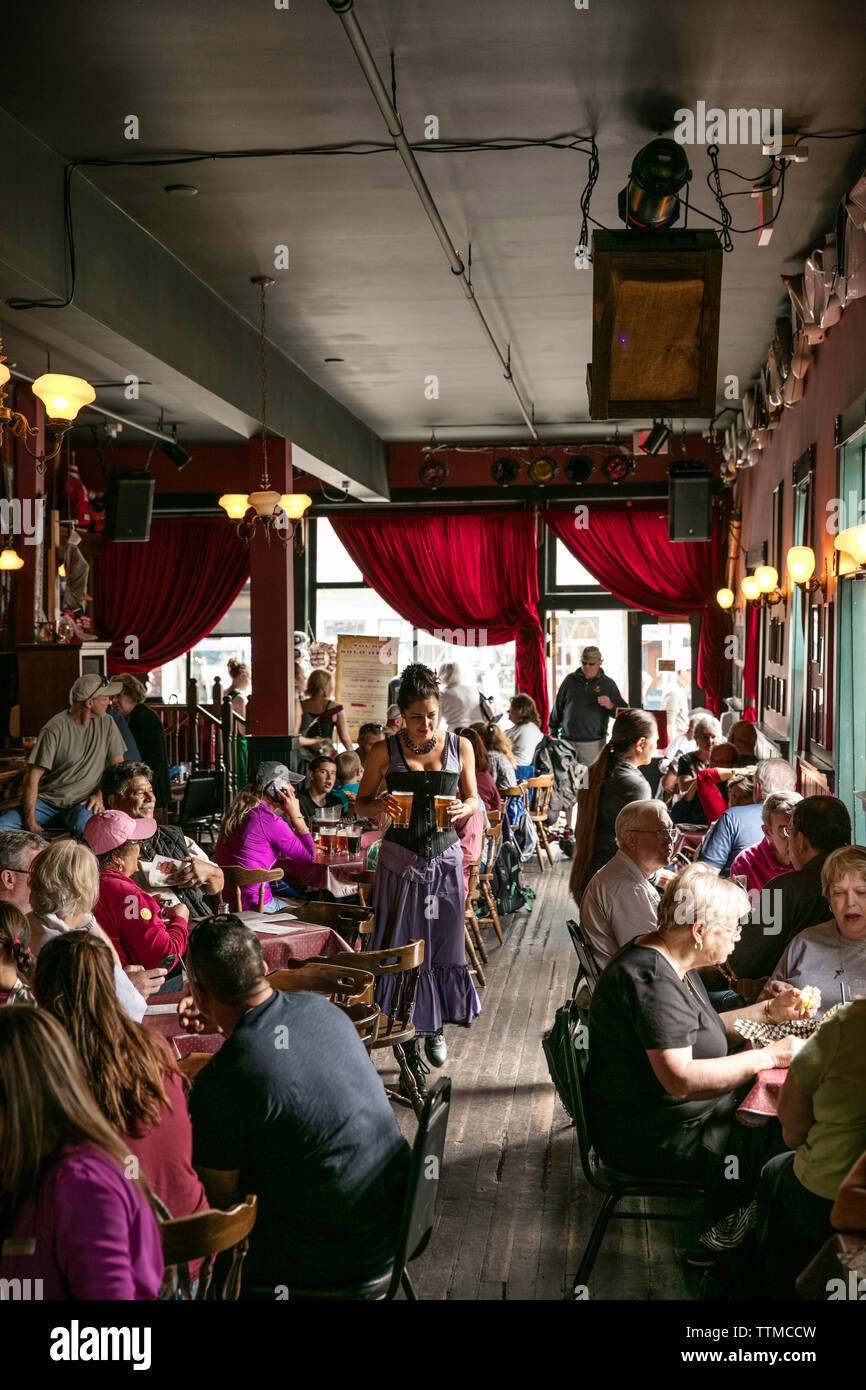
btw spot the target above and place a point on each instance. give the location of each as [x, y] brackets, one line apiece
[417, 682]
[628, 727]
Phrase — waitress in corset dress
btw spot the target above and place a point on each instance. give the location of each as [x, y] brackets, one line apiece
[419, 891]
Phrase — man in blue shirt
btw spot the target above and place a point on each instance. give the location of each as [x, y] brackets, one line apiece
[740, 827]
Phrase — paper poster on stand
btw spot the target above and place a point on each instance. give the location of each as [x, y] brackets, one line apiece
[365, 666]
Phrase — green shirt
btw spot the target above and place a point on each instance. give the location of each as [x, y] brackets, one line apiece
[75, 756]
[831, 1068]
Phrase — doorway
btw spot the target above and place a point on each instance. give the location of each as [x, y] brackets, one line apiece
[570, 630]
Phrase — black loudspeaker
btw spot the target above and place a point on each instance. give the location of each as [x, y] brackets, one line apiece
[690, 502]
[128, 505]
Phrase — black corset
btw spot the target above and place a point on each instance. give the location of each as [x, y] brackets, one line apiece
[421, 836]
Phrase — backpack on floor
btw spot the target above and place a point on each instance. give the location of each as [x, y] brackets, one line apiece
[508, 892]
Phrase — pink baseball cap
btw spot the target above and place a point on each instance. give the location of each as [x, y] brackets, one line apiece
[108, 829]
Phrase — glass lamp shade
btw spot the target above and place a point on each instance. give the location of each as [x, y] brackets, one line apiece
[801, 563]
[61, 571]
[10, 560]
[264, 502]
[235, 505]
[294, 504]
[4, 374]
[853, 542]
[63, 396]
[725, 598]
[750, 588]
[767, 578]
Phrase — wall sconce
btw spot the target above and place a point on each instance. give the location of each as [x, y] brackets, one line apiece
[725, 598]
[10, 560]
[800, 562]
[851, 545]
[62, 397]
[761, 588]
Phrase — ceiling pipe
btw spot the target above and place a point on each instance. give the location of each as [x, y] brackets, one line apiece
[345, 8]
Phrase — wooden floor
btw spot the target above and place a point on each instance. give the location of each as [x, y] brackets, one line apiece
[515, 1210]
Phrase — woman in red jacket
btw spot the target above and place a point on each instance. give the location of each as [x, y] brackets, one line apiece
[143, 932]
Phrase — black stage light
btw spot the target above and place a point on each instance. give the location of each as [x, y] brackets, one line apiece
[178, 455]
[433, 473]
[650, 198]
[578, 468]
[657, 438]
[504, 471]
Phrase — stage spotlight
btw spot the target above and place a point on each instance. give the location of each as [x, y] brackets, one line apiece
[504, 471]
[578, 468]
[542, 470]
[178, 455]
[657, 438]
[617, 468]
[650, 198]
[433, 473]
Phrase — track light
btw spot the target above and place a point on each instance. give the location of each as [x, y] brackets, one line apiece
[650, 198]
[176, 452]
[542, 470]
[657, 438]
[578, 468]
[504, 471]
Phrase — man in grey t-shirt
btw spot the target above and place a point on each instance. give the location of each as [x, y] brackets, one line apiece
[61, 785]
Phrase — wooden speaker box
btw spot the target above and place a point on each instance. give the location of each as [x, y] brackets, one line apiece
[655, 324]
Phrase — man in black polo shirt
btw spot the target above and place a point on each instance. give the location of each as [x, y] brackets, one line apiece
[317, 789]
[792, 902]
[291, 1108]
[583, 707]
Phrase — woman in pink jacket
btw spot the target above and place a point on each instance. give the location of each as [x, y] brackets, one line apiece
[142, 930]
[264, 827]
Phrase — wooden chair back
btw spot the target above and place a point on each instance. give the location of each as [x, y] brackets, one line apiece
[351, 922]
[490, 847]
[404, 962]
[193, 1062]
[237, 878]
[203, 1236]
[544, 786]
[341, 983]
[365, 1018]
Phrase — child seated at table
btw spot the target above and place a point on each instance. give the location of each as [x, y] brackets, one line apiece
[348, 779]
[17, 962]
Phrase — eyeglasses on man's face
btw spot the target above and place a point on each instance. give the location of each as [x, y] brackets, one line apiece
[667, 831]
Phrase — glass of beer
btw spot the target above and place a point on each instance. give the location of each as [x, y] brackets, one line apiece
[353, 842]
[339, 839]
[443, 820]
[326, 839]
[404, 807]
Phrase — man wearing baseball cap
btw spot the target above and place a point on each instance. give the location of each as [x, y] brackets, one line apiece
[61, 784]
[583, 706]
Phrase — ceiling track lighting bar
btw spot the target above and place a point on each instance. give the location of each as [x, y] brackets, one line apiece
[345, 10]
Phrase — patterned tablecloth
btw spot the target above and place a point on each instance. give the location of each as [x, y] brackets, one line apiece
[334, 875]
[762, 1102]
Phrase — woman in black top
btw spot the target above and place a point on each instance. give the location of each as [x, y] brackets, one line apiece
[663, 1087]
[614, 781]
[687, 807]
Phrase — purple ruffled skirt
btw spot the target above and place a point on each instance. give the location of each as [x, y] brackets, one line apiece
[424, 899]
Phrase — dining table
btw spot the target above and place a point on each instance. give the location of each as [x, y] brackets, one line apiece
[336, 875]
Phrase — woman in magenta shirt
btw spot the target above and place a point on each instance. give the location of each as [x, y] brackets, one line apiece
[143, 932]
[263, 827]
[70, 1217]
[131, 1073]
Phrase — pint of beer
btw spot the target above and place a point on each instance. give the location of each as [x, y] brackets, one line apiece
[443, 820]
[404, 807]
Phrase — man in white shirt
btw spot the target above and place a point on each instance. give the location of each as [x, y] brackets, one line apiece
[620, 903]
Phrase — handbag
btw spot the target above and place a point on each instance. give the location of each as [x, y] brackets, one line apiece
[488, 708]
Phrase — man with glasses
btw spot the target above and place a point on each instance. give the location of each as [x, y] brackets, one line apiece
[620, 902]
[583, 706]
[61, 784]
[18, 849]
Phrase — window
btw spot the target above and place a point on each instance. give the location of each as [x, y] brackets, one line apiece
[564, 570]
[208, 659]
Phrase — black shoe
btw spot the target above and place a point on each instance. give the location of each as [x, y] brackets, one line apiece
[699, 1256]
[418, 1068]
[436, 1049]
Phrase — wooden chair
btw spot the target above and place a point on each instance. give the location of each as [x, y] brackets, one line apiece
[203, 1236]
[475, 949]
[403, 965]
[353, 923]
[237, 878]
[365, 1018]
[588, 969]
[365, 878]
[840, 1257]
[342, 984]
[489, 851]
[538, 812]
[193, 1062]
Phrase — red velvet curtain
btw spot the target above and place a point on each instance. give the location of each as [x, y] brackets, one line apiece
[628, 551]
[168, 592]
[463, 572]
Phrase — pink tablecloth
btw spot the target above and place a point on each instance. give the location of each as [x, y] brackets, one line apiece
[185, 1043]
[762, 1102]
[334, 875]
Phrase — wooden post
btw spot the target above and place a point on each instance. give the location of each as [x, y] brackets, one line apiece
[192, 712]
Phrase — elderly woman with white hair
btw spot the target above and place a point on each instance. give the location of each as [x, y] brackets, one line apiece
[666, 1071]
[687, 807]
[64, 890]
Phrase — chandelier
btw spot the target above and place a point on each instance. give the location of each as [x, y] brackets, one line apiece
[62, 397]
[265, 509]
